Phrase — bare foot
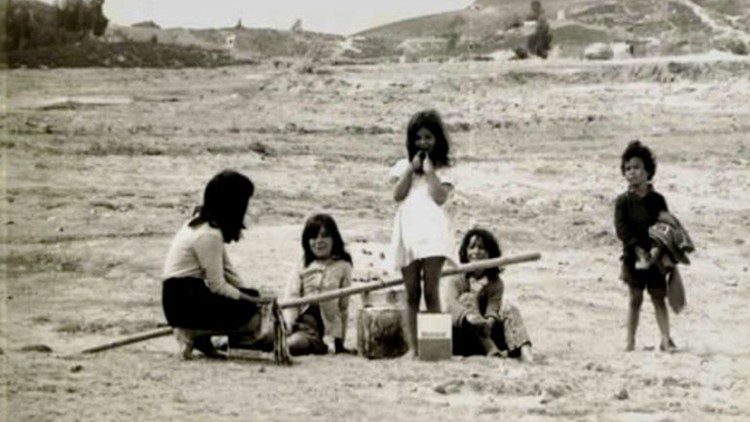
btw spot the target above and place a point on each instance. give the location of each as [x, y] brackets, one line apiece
[668, 346]
[497, 353]
[204, 345]
[185, 340]
[410, 355]
[526, 355]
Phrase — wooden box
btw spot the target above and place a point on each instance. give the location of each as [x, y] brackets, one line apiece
[380, 333]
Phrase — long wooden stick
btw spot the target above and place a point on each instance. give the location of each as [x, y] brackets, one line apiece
[366, 287]
[334, 294]
[135, 338]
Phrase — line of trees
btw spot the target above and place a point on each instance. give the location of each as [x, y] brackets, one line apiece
[34, 24]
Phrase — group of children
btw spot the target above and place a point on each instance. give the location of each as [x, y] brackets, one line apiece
[202, 293]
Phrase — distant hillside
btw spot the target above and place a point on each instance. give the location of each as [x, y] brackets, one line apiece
[485, 28]
[255, 42]
[676, 25]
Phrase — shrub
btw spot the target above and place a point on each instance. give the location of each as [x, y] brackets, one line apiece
[540, 42]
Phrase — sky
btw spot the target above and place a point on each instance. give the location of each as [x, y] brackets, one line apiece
[331, 16]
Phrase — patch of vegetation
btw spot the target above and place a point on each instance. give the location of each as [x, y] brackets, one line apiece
[70, 326]
[39, 262]
[92, 53]
[32, 23]
[733, 45]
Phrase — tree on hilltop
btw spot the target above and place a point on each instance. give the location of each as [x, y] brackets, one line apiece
[540, 42]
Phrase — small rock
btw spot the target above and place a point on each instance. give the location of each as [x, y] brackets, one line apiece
[731, 281]
[262, 369]
[622, 395]
[450, 387]
[76, 368]
[670, 382]
[489, 410]
[41, 348]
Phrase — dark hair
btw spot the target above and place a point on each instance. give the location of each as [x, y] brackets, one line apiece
[636, 149]
[430, 120]
[490, 245]
[225, 203]
[313, 225]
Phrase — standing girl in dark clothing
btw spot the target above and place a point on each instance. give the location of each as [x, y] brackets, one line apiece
[636, 210]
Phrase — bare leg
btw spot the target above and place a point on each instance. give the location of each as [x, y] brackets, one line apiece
[662, 318]
[634, 311]
[410, 274]
[432, 268]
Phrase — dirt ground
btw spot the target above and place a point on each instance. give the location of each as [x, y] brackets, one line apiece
[101, 166]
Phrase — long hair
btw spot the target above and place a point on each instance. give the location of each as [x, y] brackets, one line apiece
[430, 120]
[225, 203]
[313, 225]
[490, 245]
[636, 149]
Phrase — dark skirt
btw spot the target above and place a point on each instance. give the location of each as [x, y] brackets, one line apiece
[307, 333]
[188, 303]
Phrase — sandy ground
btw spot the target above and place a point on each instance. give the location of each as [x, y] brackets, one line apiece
[101, 166]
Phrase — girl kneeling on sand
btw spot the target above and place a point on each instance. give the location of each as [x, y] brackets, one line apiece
[326, 266]
[483, 323]
[202, 293]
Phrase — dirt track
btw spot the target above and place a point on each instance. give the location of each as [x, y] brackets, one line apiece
[95, 191]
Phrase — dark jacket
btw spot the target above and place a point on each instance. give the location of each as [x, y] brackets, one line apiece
[633, 217]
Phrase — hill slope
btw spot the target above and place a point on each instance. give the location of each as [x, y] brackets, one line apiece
[679, 25]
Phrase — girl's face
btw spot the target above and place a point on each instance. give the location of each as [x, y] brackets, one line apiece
[476, 249]
[322, 244]
[635, 172]
[425, 140]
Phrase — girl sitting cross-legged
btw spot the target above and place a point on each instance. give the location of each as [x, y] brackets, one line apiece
[484, 323]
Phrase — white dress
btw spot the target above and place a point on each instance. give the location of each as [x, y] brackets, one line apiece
[421, 227]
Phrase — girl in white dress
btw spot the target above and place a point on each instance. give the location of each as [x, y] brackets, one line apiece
[422, 236]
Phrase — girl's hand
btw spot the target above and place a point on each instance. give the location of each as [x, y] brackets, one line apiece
[478, 321]
[416, 163]
[643, 259]
[427, 166]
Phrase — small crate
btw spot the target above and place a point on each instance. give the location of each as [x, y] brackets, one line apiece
[380, 333]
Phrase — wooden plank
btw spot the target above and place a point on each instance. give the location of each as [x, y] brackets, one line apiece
[333, 294]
